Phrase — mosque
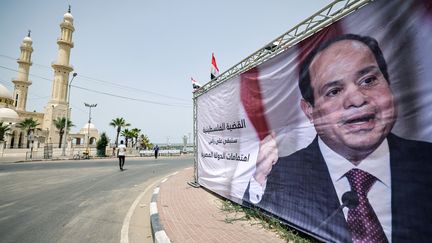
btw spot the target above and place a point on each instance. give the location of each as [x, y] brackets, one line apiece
[13, 106]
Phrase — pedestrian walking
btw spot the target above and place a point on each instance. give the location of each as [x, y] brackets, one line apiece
[121, 154]
[156, 150]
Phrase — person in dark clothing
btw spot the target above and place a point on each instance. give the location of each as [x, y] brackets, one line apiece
[156, 150]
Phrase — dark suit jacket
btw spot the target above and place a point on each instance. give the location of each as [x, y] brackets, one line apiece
[299, 190]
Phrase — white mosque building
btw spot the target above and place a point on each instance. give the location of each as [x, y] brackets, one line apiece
[13, 106]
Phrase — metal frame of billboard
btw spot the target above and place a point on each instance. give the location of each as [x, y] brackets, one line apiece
[323, 18]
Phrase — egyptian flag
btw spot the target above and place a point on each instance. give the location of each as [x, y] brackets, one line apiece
[214, 68]
[195, 84]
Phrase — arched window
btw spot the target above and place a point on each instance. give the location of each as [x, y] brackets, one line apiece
[12, 140]
[20, 140]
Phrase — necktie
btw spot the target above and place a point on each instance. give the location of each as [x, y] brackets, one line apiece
[362, 220]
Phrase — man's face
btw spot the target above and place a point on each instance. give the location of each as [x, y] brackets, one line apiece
[354, 108]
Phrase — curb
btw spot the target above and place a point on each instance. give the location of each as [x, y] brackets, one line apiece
[158, 231]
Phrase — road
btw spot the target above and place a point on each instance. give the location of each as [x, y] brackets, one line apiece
[80, 201]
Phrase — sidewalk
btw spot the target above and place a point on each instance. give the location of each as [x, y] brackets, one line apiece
[11, 159]
[189, 214]
[19, 159]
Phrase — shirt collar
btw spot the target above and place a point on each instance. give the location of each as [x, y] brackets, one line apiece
[376, 164]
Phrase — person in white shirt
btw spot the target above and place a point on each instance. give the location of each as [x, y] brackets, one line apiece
[121, 154]
[347, 97]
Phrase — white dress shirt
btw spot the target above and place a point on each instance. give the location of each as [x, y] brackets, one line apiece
[376, 164]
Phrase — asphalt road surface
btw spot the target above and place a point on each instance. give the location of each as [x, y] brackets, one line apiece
[80, 201]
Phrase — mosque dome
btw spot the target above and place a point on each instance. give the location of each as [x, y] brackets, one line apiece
[6, 99]
[86, 127]
[68, 17]
[27, 40]
[4, 92]
[8, 115]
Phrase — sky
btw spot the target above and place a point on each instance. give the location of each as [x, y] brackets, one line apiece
[135, 58]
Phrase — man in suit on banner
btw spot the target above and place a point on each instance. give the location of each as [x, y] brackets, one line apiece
[347, 97]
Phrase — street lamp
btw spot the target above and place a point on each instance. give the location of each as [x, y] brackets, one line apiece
[88, 126]
[31, 139]
[67, 116]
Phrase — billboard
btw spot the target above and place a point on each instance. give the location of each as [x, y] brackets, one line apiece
[332, 136]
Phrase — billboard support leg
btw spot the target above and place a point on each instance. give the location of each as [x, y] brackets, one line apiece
[195, 182]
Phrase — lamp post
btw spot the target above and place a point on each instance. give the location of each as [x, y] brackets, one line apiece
[31, 139]
[67, 116]
[88, 126]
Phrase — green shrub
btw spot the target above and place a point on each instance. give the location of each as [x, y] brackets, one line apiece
[101, 145]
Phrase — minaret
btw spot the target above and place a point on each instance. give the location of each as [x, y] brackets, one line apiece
[57, 105]
[61, 66]
[22, 82]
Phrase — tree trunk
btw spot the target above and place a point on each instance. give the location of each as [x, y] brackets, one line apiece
[118, 133]
[61, 139]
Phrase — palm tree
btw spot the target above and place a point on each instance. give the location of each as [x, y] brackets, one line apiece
[135, 134]
[4, 128]
[127, 134]
[59, 123]
[28, 125]
[144, 141]
[118, 123]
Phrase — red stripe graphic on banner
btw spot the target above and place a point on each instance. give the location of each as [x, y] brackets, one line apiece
[250, 93]
[308, 44]
[250, 90]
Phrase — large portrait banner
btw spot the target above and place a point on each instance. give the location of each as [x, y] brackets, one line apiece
[333, 136]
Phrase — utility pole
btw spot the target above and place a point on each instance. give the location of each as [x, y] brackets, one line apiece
[90, 106]
[67, 116]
